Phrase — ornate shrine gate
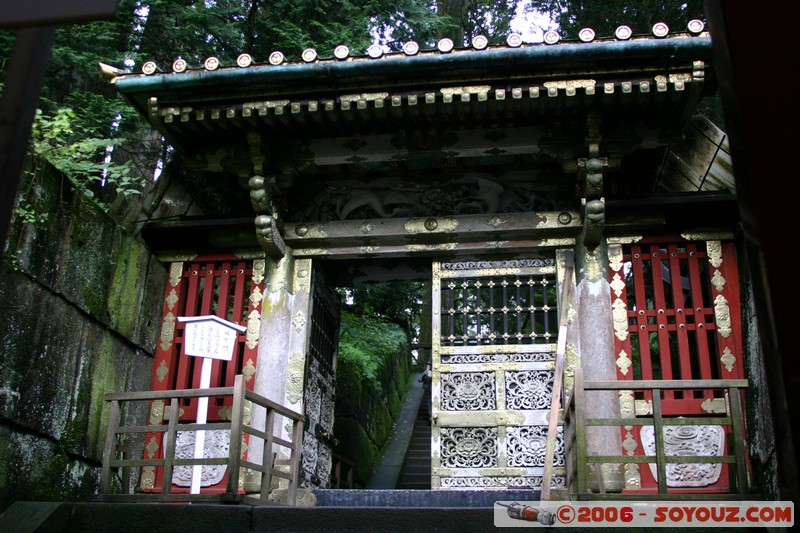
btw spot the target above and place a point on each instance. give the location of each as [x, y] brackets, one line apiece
[676, 315]
[495, 327]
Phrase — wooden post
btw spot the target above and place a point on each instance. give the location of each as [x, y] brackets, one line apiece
[558, 380]
[169, 452]
[109, 453]
[235, 447]
[658, 430]
[267, 455]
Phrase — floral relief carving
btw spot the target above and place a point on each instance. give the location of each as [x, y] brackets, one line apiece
[691, 441]
[309, 457]
[217, 444]
[527, 446]
[468, 447]
[465, 482]
[468, 391]
[529, 389]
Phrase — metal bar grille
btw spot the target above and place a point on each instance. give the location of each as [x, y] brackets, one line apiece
[499, 310]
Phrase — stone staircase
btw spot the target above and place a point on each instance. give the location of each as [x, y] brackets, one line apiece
[415, 473]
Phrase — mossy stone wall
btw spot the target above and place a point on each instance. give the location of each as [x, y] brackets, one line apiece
[81, 303]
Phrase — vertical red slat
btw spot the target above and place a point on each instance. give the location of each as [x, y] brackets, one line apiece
[661, 317]
[678, 312]
[640, 297]
[239, 314]
[699, 309]
[730, 271]
[223, 281]
[184, 364]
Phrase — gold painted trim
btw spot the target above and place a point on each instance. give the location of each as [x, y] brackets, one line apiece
[615, 257]
[148, 477]
[430, 225]
[619, 313]
[259, 270]
[714, 406]
[718, 281]
[171, 299]
[617, 285]
[302, 276]
[175, 273]
[707, 235]
[722, 315]
[253, 329]
[643, 407]
[256, 296]
[714, 251]
[624, 362]
[249, 370]
[156, 412]
[628, 239]
[626, 403]
[728, 359]
[167, 331]
[162, 371]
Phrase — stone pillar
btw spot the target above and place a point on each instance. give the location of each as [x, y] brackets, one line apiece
[596, 348]
[283, 348]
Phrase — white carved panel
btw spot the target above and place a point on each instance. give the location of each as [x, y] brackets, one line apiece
[468, 391]
[527, 446]
[498, 482]
[217, 444]
[529, 389]
[309, 458]
[688, 440]
[324, 464]
[468, 447]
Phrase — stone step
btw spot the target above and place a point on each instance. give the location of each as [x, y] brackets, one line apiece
[420, 498]
[209, 518]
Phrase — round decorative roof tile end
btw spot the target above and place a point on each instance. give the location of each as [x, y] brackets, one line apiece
[660, 29]
[410, 48]
[244, 60]
[551, 37]
[623, 33]
[212, 63]
[309, 55]
[276, 58]
[586, 35]
[445, 45]
[514, 40]
[149, 68]
[341, 52]
[179, 65]
[696, 26]
[479, 42]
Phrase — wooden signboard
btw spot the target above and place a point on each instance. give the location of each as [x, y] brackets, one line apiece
[209, 337]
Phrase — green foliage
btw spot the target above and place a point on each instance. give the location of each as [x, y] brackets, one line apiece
[67, 143]
[604, 16]
[368, 343]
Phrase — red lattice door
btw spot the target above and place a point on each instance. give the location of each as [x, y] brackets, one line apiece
[229, 288]
[676, 315]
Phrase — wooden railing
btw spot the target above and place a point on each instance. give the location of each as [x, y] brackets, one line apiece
[342, 472]
[118, 436]
[576, 422]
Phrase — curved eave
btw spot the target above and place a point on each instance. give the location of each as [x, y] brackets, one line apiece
[569, 59]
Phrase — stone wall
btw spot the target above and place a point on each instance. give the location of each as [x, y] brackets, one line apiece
[81, 302]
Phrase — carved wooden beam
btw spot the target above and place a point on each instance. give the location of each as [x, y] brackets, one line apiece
[464, 234]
